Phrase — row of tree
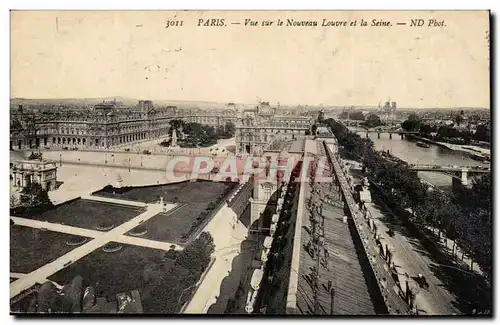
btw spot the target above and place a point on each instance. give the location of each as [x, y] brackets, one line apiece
[446, 133]
[32, 199]
[465, 217]
[200, 135]
[369, 121]
[167, 287]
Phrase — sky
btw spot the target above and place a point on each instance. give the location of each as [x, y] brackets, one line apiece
[94, 54]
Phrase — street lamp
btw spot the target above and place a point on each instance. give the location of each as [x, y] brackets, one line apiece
[60, 160]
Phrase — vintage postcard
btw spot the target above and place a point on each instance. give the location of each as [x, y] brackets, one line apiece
[250, 162]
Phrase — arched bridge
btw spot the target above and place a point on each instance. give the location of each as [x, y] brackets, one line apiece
[384, 130]
[460, 172]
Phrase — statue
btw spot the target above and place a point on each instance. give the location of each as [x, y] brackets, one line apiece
[183, 136]
[119, 181]
[174, 138]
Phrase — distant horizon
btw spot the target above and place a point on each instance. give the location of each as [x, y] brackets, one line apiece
[355, 106]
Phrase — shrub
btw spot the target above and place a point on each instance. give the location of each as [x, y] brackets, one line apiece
[196, 256]
[35, 199]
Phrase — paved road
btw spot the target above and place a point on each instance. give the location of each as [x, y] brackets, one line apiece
[47, 270]
[461, 256]
[227, 246]
[124, 239]
[21, 275]
[44, 225]
[209, 289]
[435, 301]
[146, 243]
[17, 275]
[111, 200]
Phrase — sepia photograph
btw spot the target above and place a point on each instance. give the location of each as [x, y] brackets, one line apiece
[250, 163]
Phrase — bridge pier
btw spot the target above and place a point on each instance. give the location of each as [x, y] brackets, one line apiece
[463, 178]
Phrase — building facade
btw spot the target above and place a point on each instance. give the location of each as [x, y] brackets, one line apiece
[104, 126]
[26, 172]
[259, 128]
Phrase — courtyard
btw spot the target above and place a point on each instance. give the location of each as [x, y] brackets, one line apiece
[199, 191]
[122, 238]
[196, 201]
[26, 245]
[113, 272]
[131, 252]
[89, 214]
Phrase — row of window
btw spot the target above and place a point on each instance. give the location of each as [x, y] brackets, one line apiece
[97, 129]
[78, 141]
[268, 131]
[91, 128]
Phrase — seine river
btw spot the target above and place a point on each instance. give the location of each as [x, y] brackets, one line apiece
[435, 155]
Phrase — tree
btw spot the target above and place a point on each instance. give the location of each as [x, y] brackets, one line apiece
[474, 222]
[358, 115]
[176, 124]
[475, 118]
[14, 201]
[35, 198]
[372, 121]
[426, 129]
[230, 129]
[413, 123]
[165, 143]
[196, 256]
[169, 287]
[204, 135]
[314, 128]
[482, 133]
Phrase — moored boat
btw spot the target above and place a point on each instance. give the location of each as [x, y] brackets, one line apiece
[423, 144]
[478, 157]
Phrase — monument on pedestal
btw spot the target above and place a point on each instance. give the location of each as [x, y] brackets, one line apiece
[119, 181]
[174, 139]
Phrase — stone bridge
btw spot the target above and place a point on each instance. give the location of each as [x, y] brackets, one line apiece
[458, 172]
[380, 131]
